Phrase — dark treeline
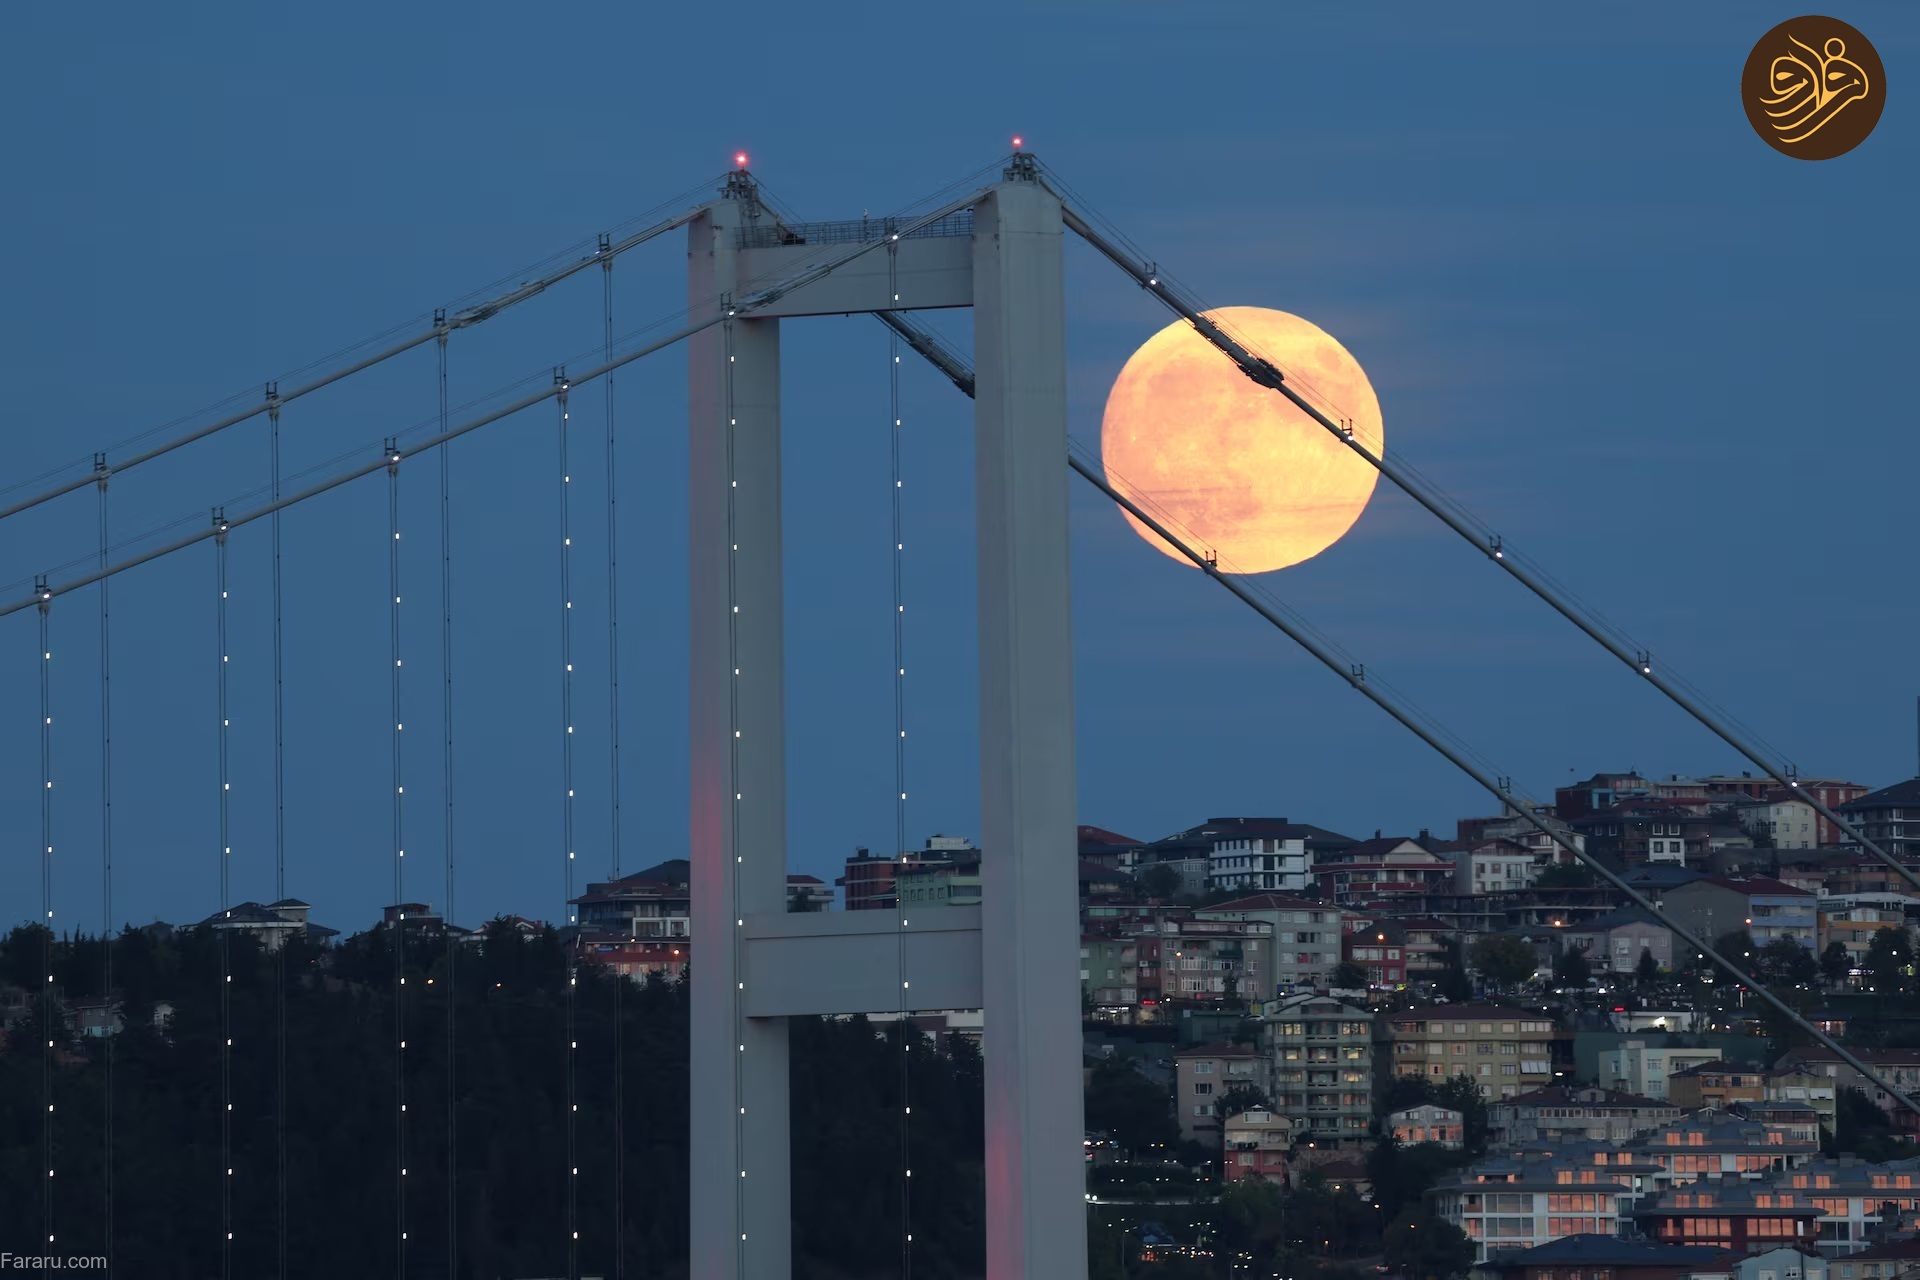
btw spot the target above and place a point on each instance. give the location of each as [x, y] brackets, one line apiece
[508, 1218]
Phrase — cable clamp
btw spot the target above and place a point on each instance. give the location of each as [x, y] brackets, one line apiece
[220, 524]
[273, 392]
[41, 590]
[392, 450]
[440, 325]
[1643, 660]
[101, 471]
[1495, 548]
[1358, 674]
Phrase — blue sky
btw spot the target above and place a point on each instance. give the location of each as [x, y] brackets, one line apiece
[1664, 359]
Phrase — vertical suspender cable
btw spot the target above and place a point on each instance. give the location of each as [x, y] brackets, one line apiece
[279, 851]
[900, 807]
[566, 824]
[398, 925]
[446, 772]
[226, 902]
[613, 790]
[106, 875]
[47, 1011]
[733, 776]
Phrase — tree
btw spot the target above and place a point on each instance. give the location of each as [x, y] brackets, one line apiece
[1889, 962]
[1788, 961]
[1836, 963]
[1160, 882]
[1564, 875]
[1420, 1246]
[1647, 972]
[1504, 959]
[1400, 1174]
[1736, 948]
[1348, 976]
[1238, 1098]
[1133, 1110]
[1570, 968]
[1461, 1094]
[1454, 983]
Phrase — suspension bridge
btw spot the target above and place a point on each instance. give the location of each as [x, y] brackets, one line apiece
[992, 244]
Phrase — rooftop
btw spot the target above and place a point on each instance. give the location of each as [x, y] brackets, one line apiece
[1608, 1251]
[1219, 1049]
[1900, 793]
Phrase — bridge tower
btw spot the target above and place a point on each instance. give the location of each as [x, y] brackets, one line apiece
[1015, 957]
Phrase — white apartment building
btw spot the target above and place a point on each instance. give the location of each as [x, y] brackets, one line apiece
[1642, 1066]
[1259, 863]
[1519, 1201]
[1497, 866]
[1789, 823]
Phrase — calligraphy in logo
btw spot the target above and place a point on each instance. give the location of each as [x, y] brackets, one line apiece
[1813, 88]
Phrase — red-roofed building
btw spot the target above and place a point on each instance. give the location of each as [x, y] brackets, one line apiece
[808, 893]
[1380, 870]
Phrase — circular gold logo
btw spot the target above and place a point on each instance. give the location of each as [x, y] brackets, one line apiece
[1813, 88]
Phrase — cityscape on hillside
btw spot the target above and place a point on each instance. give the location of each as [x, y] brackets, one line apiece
[1577, 1083]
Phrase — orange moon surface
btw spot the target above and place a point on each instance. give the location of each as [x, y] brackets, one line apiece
[1234, 468]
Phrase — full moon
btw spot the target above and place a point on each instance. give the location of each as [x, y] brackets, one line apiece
[1234, 468]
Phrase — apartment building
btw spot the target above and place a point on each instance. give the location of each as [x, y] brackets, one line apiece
[1207, 1073]
[1306, 935]
[1258, 1144]
[1851, 1194]
[1807, 1088]
[1715, 1146]
[1575, 1113]
[1492, 866]
[1321, 1051]
[1890, 817]
[1428, 1123]
[1716, 1084]
[1521, 1200]
[1504, 1051]
[1109, 973]
[1614, 943]
[1729, 1215]
[1645, 1066]
[1899, 1067]
[1206, 961]
[1714, 906]
[1852, 919]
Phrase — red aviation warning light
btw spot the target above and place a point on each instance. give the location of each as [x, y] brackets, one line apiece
[1017, 142]
[740, 158]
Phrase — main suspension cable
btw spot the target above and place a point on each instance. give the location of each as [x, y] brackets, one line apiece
[743, 306]
[1375, 691]
[480, 310]
[1263, 372]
